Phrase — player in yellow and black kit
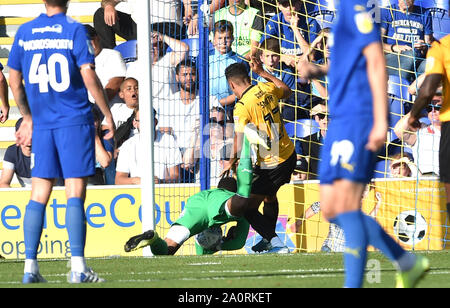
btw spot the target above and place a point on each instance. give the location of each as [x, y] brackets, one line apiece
[437, 71]
[258, 105]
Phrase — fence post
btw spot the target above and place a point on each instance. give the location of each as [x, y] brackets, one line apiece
[203, 73]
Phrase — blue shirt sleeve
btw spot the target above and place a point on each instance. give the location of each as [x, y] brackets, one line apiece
[428, 27]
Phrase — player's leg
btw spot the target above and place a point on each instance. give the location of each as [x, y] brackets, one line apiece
[76, 230]
[44, 169]
[175, 237]
[76, 155]
[270, 211]
[76, 222]
[32, 225]
[265, 188]
[340, 203]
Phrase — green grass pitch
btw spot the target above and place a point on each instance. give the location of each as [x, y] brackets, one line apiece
[314, 270]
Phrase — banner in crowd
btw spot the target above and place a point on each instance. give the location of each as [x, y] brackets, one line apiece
[416, 220]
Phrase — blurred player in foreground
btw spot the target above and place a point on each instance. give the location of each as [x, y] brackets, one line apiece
[437, 72]
[358, 89]
[53, 55]
[208, 209]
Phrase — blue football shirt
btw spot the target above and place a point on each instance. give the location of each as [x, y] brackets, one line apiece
[49, 52]
[406, 28]
[349, 89]
[278, 27]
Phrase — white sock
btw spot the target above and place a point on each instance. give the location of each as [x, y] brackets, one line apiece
[78, 264]
[276, 242]
[31, 266]
[406, 262]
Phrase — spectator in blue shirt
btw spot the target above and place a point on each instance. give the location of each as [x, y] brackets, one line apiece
[407, 32]
[281, 27]
[219, 60]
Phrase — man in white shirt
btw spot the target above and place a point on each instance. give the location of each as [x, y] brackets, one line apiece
[109, 66]
[181, 110]
[167, 158]
[423, 139]
[166, 17]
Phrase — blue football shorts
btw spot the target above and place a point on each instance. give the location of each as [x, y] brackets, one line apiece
[343, 155]
[67, 152]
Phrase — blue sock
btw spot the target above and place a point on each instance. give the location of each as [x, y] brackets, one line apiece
[76, 226]
[355, 247]
[32, 228]
[379, 239]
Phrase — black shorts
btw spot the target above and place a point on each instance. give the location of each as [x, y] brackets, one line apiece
[267, 182]
[444, 153]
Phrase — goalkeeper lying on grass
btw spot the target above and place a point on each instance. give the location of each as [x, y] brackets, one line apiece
[206, 211]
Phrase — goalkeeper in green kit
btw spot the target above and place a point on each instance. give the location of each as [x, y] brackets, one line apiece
[207, 210]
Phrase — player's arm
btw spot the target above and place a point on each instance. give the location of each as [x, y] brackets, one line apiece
[4, 105]
[256, 66]
[426, 94]
[434, 71]
[24, 133]
[377, 75]
[311, 71]
[95, 87]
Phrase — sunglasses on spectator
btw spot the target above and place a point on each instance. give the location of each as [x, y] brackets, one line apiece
[214, 120]
[321, 116]
[432, 107]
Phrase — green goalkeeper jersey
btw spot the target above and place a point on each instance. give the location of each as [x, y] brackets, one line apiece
[206, 209]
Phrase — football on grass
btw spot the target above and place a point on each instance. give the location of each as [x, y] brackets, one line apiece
[410, 227]
[210, 238]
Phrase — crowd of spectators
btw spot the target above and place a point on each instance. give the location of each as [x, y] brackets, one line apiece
[281, 34]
